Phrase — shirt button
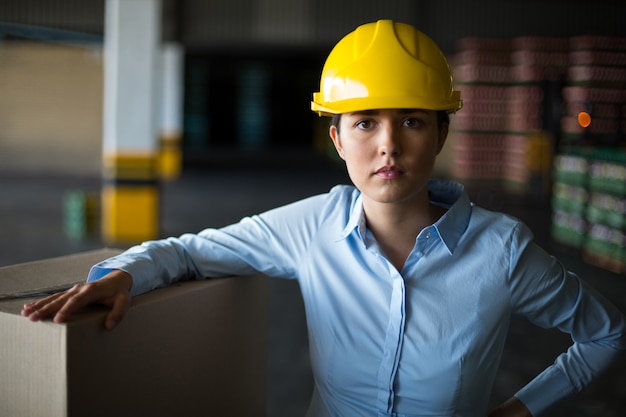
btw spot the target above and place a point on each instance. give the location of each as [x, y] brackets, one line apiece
[427, 235]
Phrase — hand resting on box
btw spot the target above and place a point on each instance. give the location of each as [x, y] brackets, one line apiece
[112, 290]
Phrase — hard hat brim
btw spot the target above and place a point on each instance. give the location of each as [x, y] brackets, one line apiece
[374, 103]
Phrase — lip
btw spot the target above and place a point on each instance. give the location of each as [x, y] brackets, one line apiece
[389, 172]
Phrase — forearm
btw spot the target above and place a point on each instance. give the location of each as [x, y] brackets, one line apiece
[160, 263]
[513, 407]
[571, 372]
[557, 298]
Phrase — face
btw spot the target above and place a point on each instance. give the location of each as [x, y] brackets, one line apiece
[390, 154]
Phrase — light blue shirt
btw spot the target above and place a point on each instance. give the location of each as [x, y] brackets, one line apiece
[423, 341]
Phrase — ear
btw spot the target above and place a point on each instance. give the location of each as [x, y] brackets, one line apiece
[443, 135]
[334, 136]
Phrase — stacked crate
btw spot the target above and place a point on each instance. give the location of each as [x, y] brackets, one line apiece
[539, 65]
[569, 200]
[501, 133]
[597, 90]
[596, 84]
[606, 215]
[482, 71]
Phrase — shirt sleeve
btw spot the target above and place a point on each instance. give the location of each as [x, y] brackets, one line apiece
[548, 295]
[270, 243]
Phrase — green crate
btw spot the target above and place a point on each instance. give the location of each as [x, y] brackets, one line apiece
[566, 236]
[569, 198]
[608, 177]
[606, 241]
[607, 209]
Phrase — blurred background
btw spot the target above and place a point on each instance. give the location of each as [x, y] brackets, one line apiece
[541, 136]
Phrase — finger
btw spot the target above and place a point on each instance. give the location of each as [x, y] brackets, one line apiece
[42, 308]
[121, 304]
[33, 306]
[75, 299]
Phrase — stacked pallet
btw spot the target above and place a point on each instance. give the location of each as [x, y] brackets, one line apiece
[482, 69]
[594, 128]
[606, 215]
[569, 200]
[538, 64]
[521, 95]
[500, 135]
[596, 86]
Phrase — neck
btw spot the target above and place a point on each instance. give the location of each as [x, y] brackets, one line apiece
[396, 226]
[418, 213]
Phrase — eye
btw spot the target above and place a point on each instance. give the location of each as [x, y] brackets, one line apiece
[364, 124]
[412, 122]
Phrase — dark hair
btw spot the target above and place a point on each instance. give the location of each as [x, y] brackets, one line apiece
[335, 120]
[443, 117]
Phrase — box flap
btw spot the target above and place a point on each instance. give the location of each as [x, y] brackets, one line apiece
[21, 283]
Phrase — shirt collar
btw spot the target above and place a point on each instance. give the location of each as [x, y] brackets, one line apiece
[450, 227]
[452, 196]
[356, 219]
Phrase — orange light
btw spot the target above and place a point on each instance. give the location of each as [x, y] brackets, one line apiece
[584, 119]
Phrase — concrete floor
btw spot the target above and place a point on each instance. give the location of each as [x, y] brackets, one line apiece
[31, 228]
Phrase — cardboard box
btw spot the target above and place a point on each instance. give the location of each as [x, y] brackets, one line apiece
[196, 348]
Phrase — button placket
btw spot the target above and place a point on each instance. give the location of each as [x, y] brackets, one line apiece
[393, 345]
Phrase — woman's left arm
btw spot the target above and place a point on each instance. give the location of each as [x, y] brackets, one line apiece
[548, 295]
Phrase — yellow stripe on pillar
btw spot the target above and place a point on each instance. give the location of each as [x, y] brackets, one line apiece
[171, 156]
[130, 199]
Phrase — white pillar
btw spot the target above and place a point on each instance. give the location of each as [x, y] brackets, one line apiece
[171, 115]
[131, 58]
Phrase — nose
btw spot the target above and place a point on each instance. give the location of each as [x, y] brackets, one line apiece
[389, 143]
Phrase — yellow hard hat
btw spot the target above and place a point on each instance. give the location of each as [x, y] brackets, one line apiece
[385, 65]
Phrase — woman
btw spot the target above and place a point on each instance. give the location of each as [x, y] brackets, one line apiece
[408, 287]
